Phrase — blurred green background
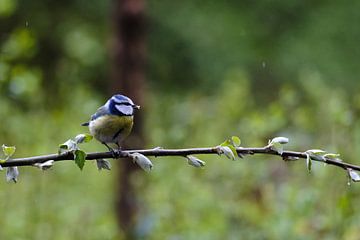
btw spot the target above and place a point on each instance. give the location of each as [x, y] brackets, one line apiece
[255, 69]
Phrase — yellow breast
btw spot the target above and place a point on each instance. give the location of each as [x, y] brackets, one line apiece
[111, 128]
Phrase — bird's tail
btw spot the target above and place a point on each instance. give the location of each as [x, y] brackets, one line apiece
[85, 124]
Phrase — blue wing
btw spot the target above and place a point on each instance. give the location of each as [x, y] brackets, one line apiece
[100, 112]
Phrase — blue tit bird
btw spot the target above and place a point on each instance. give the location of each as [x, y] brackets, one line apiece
[113, 122]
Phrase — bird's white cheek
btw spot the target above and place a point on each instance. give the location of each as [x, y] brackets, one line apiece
[127, 110]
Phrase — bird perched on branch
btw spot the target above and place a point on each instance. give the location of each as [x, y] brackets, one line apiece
[113, 122]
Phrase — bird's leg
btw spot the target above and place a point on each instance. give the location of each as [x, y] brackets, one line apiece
[108, 147]
[118, 147]
[119, 150]
[110, 150]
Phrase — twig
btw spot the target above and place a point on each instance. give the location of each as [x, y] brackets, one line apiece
[159, 152]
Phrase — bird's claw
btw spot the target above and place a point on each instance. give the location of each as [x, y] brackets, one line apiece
[114, 153]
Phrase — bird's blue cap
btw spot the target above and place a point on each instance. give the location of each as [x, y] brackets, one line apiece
[121, 105]
[118, 98]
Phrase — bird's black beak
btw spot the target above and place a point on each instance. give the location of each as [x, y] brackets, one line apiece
[136, 106]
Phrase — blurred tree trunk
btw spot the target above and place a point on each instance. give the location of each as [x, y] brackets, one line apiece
[128, 77]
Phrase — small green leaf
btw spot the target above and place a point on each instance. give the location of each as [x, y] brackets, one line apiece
[281, 140]
[69, 145]
[331, 155]
[63, 148]
[45, 165]
[236, 141]
[103, 164]
[316, 151]
[226, 143]
[231, 145]
[80, 157]
[142, 161]
[8, 150]
[308, 162]
[228, 151]
[233, 149]
[195, 162]
[83, 138]
[290, 158]
[2, 160]
[353, 175]
[12, 173]
[276, 144]
[277, 147]
[316, 154]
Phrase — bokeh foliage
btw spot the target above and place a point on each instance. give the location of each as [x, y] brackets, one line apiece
[215, 69]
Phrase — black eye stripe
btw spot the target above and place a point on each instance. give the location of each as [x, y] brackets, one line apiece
[125, 103]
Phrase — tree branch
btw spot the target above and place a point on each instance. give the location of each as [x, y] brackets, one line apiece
[159, 152]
